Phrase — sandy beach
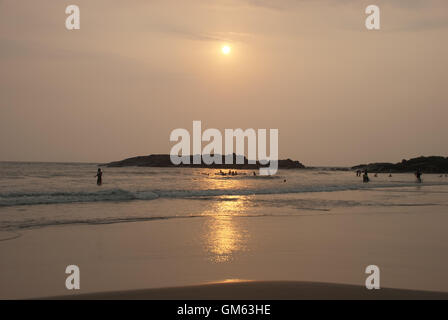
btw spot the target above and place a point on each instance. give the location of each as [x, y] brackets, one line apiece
[312, 255]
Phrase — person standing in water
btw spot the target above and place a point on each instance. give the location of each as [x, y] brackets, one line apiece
[418, 174]
[365, 177]
[99, 176]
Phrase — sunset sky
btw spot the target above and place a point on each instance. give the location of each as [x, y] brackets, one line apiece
[338, 93]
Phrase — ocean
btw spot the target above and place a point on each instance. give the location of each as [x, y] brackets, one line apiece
[36, 195]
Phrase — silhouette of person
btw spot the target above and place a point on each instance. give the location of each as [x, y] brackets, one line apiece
[365, 177]
[99, 176]
[418, 174]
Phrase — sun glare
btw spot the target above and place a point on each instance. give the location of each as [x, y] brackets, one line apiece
[226, 50]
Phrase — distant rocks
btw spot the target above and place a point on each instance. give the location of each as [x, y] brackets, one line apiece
[163, 160]
[432, 164]
[290, 164]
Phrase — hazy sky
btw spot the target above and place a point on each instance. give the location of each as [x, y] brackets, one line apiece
[338, 93]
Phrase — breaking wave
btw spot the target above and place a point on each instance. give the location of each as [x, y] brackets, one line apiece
[120, 195]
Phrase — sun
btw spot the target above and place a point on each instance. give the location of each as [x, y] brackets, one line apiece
[226, 50]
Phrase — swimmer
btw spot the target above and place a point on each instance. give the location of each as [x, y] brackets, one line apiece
[418, 174]
[365, 177]
[99, 176]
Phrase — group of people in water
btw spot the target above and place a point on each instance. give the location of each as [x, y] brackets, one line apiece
[365, 175]
[233, 173]
[230, 173]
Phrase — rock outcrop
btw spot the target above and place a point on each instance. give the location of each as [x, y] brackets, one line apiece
[434, 164]
[163, 160]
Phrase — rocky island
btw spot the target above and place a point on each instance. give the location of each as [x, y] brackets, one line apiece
[433, 164]
[163, 160]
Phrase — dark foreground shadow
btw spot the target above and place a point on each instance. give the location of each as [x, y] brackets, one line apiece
[264, 290]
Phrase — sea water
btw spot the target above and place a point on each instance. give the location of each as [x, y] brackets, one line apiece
[48, 194]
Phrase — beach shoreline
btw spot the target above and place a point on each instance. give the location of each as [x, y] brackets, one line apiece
[311, 246]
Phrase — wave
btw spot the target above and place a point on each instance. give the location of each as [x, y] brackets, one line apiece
[120, 195]
[34, 198]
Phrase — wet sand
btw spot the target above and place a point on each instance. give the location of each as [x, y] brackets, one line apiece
[409, 244]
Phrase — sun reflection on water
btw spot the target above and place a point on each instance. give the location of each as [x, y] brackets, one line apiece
[225, 234]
